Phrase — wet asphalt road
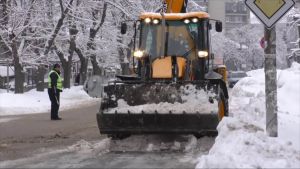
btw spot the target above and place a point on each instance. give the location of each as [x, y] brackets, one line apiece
[33, 141]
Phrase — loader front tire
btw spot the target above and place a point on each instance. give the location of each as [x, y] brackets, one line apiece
[117, 136]
[223, 103]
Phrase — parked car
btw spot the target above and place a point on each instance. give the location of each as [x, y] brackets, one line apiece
[234, 77]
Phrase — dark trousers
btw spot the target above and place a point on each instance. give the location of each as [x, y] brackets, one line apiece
[54, 98]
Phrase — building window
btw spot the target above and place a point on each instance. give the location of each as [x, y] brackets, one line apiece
[238, 19]
[234, 8]
[245, 8]
[227, 7]
[227, 18]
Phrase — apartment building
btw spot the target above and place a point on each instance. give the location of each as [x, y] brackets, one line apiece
[237, 14]
[231, 13]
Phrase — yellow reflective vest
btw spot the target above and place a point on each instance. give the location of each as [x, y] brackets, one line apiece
[59, 84]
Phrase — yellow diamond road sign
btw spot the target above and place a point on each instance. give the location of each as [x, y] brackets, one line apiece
[269, 12]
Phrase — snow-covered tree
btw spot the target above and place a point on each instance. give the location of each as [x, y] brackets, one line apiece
[37, 32]
[16, 32]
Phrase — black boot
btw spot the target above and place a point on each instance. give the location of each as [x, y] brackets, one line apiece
[56, 118]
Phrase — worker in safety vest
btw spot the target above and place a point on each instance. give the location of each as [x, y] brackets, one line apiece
[54, 88]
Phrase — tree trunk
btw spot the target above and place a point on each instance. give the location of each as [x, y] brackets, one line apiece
[67, 73]
[129, 50]
[40, 75]
[66, 66]
[124, 65]
[83, 72]
[83, 66]
[125, 69]
[96, 67]
[19, 75]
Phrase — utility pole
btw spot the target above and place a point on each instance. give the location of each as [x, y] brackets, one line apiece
[271, 82]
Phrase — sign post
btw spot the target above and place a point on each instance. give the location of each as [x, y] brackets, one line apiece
[269, 12]
[271, 82]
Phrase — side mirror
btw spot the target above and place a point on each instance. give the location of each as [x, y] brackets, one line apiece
[219, 26]
[123, 28]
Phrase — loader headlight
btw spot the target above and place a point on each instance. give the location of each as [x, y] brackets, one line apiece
[202, 54]
[138, 54]
[195, 20]
[186, 21]
[155, 21]
[147, 20]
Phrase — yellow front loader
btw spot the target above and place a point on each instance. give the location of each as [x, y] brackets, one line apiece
[173, 89]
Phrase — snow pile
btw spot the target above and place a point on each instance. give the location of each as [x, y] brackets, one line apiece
[3, 71]
[192, 144]
[242, 141]
[83, 146]
[188, 144]
[150, 147]
[38, 102]
[194, 100]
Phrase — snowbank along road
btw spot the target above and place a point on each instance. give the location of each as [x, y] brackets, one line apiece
[38, 102]
[241, 143]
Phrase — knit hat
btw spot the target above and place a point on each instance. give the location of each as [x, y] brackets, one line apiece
[56, 65]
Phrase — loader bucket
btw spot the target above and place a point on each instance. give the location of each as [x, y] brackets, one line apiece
[158, 109]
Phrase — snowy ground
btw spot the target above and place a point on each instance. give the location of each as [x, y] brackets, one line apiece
[153, 151]
[38, 102]
[242, 141]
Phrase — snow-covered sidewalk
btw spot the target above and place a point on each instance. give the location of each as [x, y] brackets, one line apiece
[38, 102]
[242, 140]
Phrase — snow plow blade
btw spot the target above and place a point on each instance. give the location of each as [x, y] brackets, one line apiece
[134, 109]
[136, 124]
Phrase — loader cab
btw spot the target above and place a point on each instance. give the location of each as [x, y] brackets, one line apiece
[187, 45]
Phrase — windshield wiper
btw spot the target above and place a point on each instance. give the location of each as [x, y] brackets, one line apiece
[188, 52]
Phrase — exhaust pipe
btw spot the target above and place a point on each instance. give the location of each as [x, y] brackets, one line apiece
[163, 33]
